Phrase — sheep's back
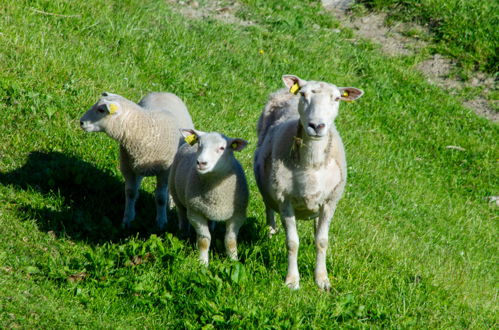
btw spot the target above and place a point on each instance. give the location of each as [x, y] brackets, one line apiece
[170, 103]
[282, 106]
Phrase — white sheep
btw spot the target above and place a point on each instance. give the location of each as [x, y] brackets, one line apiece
[300, 165]
[149, 137]
[208, 183]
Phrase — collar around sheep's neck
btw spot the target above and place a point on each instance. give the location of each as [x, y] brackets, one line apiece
[298, 138]
[299, 143]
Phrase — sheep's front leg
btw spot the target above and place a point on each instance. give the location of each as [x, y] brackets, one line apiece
[231, 230]
[321, 245]
[132, 185]
[161, 200]
[200, 224]
[292, 242]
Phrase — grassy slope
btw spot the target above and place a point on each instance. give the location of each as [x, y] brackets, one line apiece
[413, 240]
[463, 29]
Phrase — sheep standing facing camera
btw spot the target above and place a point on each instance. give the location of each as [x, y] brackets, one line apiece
[300, 165]
[149, 137]
[208, 183]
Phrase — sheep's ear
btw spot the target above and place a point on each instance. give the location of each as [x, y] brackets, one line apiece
[191, 135]
[350, 94]
[113, 108]
[238, 144]
[109, 94]
[293, 83]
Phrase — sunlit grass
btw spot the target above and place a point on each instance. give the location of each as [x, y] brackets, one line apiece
[413, 240]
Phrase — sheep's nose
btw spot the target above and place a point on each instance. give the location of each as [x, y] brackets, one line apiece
[316, 127]
[81, 123]
[202, 164]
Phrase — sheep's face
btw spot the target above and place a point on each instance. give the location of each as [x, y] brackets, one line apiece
[318, 103]
[215, 151]
[97, 117]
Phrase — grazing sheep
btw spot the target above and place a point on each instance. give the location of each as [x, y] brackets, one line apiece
[208, 183]
[149, 137]
[300, 165]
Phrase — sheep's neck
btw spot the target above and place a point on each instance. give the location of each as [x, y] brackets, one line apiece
[124, 129]
[312, 152]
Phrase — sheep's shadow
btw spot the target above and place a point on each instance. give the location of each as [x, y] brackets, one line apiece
[79, 200]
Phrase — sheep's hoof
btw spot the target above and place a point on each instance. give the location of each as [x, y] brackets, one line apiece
[161, 224]
[272, 231]
[293, 283]
[323, 284]
[125, 224]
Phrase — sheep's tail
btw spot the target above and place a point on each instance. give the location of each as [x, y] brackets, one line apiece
[281, 105]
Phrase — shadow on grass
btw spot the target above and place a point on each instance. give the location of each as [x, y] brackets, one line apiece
[92, 199]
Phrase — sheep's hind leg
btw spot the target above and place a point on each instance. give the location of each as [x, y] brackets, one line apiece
[132, 185]
[200, 224]
[162, 200]
[270, 214]
[232, 229]
[183, 223]
[292, 241]
[321, 245]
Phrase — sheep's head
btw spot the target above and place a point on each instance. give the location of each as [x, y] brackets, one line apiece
[215, 151]
[318, 103]
[97, 117]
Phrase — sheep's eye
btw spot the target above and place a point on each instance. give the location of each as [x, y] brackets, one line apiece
[336, 98]
[221, 148]
[100, 110]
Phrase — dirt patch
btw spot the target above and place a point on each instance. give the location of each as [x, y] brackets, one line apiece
[215, 9]
[482, 108]
[391, 39]
[396, 40]
[437, 70]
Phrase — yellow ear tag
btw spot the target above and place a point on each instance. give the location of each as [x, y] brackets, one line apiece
[345, 94]
[294, 89]
[191, 139]
[112, 108]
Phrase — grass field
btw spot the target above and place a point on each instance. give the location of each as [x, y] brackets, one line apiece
[414, 240]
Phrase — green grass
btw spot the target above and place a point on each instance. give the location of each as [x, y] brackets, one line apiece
[414, 240]
[466, 30]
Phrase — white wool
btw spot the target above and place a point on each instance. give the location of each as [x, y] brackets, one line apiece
[208, 183]
[300, 165]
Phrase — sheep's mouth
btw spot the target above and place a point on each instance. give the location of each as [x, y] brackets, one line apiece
[87, 127]
[315, 136]
[203, 169]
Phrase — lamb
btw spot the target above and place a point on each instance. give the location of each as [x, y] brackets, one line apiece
[300, 164]
[208, 183]
[149, 137]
